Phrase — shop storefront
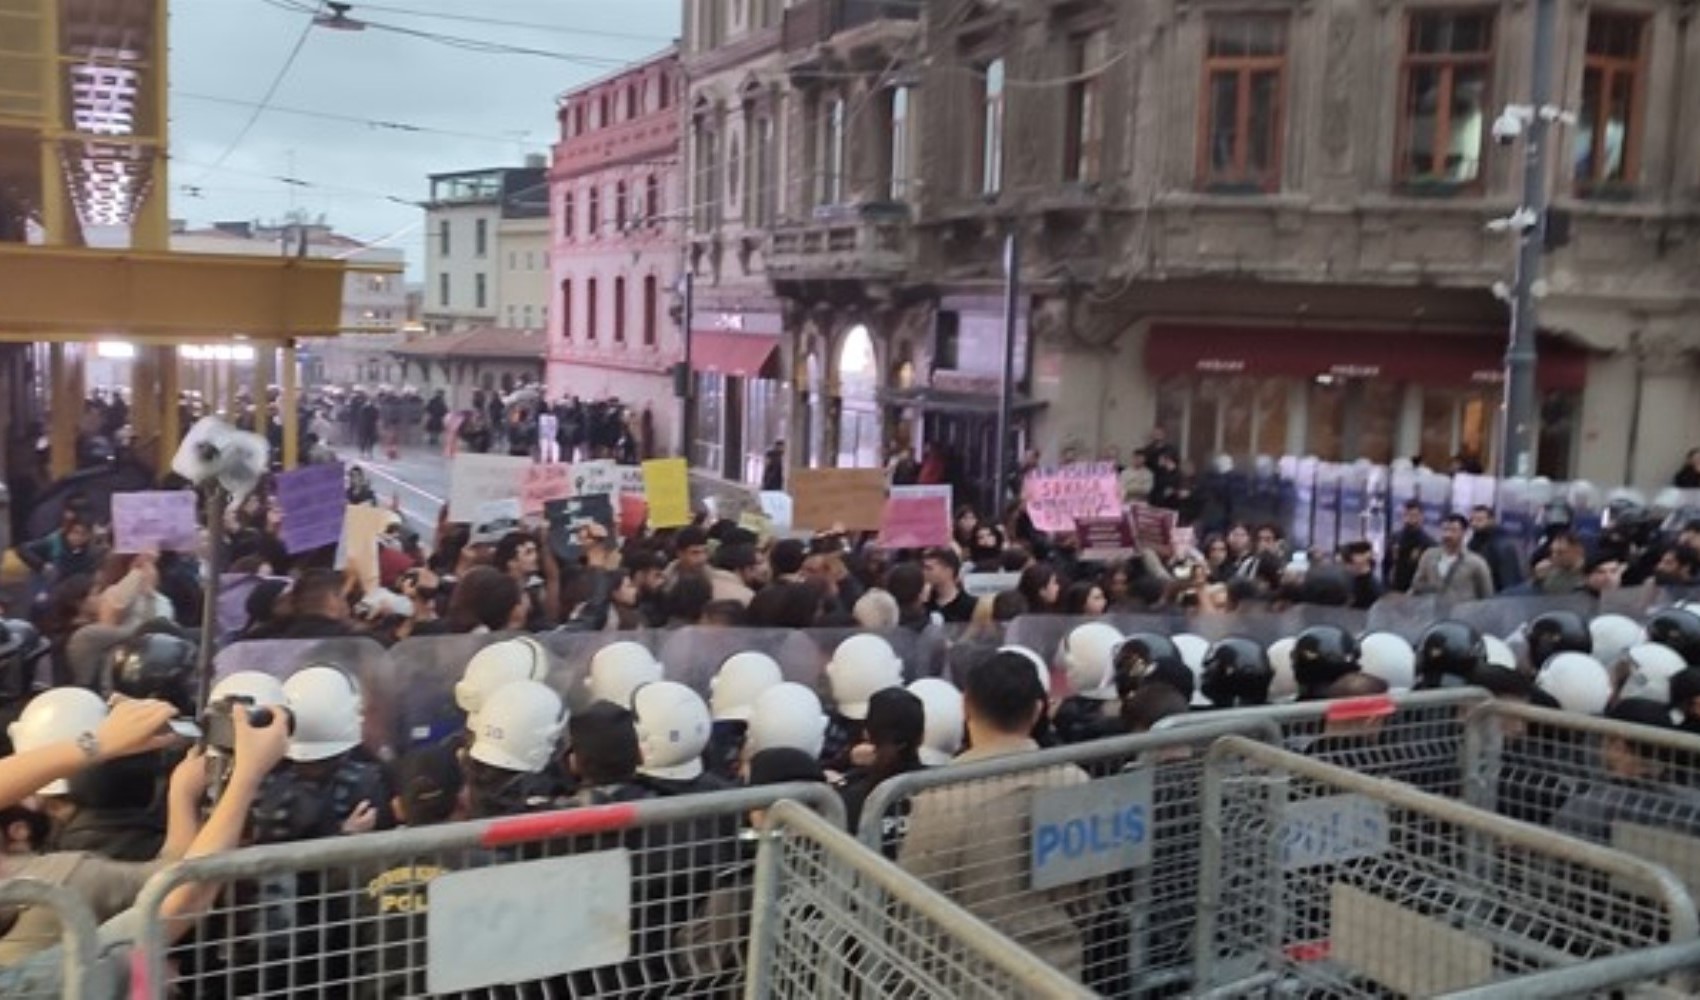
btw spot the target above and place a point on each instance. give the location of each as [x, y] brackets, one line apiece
[740, 399]
[1342, 395]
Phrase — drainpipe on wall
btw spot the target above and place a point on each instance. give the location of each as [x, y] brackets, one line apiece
[1634, 408]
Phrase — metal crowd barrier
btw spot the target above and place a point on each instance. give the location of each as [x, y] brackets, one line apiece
[1318, 879]
[1086, 855]
[835, 920]
[71, 969]
[649, 897]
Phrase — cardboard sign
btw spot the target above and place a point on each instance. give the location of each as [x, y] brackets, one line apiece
[1056, 498]
[667, 487]
[568, 515]
[853, 499]
[598, 478]
[1153, 526]
[916, 517]
[311, 502]
[629, 479]
[154, 521]
[496, 511]
[476, 479]
[543, 483]
[1104, 539]
[980, 585]
[361, 527]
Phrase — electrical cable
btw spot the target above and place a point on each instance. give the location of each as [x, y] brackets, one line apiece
[271, 91]
[354, 119]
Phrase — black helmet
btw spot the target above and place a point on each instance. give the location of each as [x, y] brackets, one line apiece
[1322, 654]
[1147, 654]
[157, 665]
[20, 647]
[1449, 649]
[1679, 629]
[1236, 672]
[1556, 632]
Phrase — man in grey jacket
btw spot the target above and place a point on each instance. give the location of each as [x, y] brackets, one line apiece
[1450, 571]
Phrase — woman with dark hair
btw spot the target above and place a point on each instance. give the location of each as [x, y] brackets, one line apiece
[1084, 599]
[896, 723]
[986, 552]
[1040, 585]
[965, 527]
[1216, 561]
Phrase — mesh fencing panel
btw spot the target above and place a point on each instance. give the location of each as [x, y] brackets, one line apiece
[1320, 881]
[837, 921]
[72, 967]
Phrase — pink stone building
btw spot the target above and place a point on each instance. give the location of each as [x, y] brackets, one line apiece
[614, 203]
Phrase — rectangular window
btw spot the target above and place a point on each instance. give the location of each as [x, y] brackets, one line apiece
[1084, 151]
[443, 289]
[1608, 129]
[513, 317]
[652, 199]
[764, 192]
[513, 260]
[478, 291]
[649, 303]
[620, 207]
[990, 174]
[480, 238]
[902, 143]
[1444, 110]
[566, 308]
[590, 309]
[567, 216]
[526, 314]
[593, 212]
[443, 237]
[1245, 66]
[619, 310]
[829, 148]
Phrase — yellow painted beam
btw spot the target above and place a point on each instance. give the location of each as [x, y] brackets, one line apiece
[170, 417]
[67, 394]
[164, 298]
[287, 407]
[151, 229]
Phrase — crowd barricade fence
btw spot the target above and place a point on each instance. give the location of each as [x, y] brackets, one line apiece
[73, 968]
[1315, 878]
[649, 897]
[836, 920]
[1085, 854]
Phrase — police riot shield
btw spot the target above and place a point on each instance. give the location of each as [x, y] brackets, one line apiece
[361, 658]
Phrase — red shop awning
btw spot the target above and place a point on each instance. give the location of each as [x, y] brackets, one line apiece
[742, 355]
[1438, 359]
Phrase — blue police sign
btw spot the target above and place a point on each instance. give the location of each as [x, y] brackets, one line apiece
[1091, 829]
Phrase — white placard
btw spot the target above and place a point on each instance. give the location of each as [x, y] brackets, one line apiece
[477, 479]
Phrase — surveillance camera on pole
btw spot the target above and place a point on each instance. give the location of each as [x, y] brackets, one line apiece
[1519, 222]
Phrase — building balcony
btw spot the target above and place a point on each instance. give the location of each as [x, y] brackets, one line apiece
[868, 241]
[813, 22]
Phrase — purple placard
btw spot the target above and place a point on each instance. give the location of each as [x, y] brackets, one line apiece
[154, 521]
[312, 505]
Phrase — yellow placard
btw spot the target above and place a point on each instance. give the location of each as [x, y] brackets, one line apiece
[667, 485]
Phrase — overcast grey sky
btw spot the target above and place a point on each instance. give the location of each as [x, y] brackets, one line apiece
[503, 103]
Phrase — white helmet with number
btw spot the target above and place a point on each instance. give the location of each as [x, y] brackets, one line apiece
[1087, 655]
[1389, 657]
[942, 736]
[497, 665]
[1651, 666]
[1577, 681]
[518, 727]
[862, 665]
[1613, 635]
[258, 687]
[328, 710]
[620, 668]
[1193, 650]
[1284, 686]
[1499, 652]
[1039, 665]
[739, 682]
[56, 716]
[786, 715]
[672, 728]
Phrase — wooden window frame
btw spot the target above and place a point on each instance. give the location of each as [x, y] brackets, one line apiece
[1451, 62]
[651, 294]
[1246, 68]
[566, 308]
[619, 303]
[1611, 68]
[590, 304]
[1083, 148]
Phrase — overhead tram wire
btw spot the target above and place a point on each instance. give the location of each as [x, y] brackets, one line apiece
[467, 44]
[271, 91]
[500, 23]
[375, 123]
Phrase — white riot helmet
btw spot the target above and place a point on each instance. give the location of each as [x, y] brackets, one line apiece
[1087, 655]
[518, 727]
[258, 687]
[1389, 657]
[496, 666]
[1039, 665]
[942, 703]
[1651, 666]
[328, 710]
[1577, 682]
[1284, 686]
[56, 716]
[862, 665]
[786, 715]
[1499, 652]
[1193, 650]
[1613, 635]
[620, 668]
[672, 728]
[739, 682]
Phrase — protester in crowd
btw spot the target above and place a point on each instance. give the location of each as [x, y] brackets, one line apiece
[1409, 544]
[1450, 571]
[942, 570]
[1688, 477]
[1490, 542]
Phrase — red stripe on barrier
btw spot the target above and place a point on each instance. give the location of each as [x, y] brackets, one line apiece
[1308, 951]
[565, 823]
[1375, 706]
[139, 976]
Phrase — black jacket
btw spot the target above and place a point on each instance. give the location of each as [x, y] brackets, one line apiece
[1500, 553]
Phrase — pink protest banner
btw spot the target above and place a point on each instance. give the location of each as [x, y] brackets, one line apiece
[543, 483]
[1056, 498]
[915, 517]
[1104, 539]
[1153, 526]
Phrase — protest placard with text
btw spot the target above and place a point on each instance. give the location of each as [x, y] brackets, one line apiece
[311, 501]
[542, 483]
[853, 499]
[475, 479]
[1056, 498]
[154, 521]
[667, 487]
[916, 517]
[1104, 539]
